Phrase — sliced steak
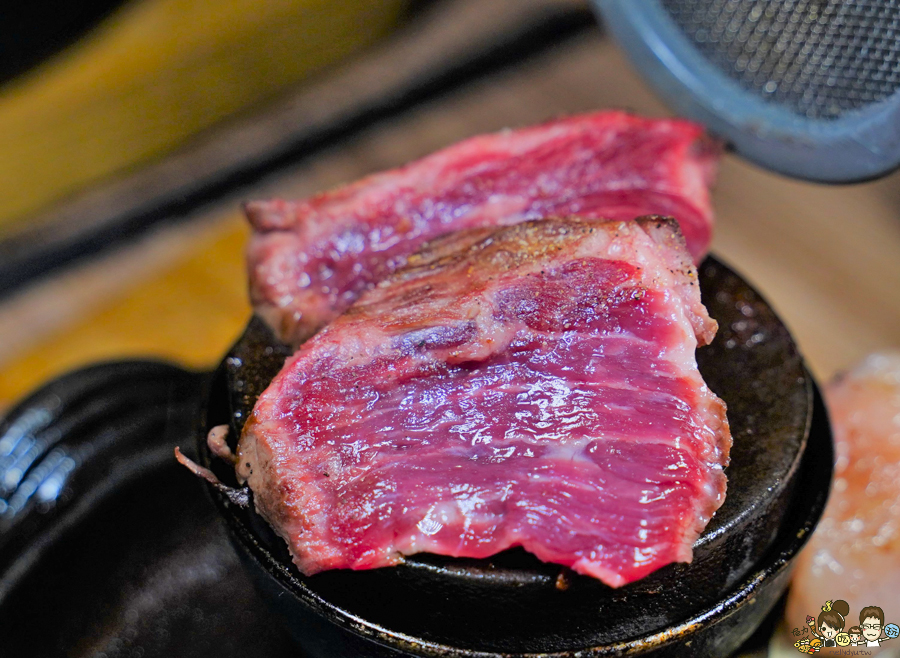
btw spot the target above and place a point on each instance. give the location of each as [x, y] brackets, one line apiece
[532, 386]
[309, 260]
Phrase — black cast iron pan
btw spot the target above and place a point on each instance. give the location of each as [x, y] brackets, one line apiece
[512, 604]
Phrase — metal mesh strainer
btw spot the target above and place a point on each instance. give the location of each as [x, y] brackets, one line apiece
[810, 88]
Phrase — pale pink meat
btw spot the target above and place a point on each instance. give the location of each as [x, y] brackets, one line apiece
[854, 553]
[310, 259]
[532, 386]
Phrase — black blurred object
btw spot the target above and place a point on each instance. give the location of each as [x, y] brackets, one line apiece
[130, 558]
[33, 30]
[75, 431]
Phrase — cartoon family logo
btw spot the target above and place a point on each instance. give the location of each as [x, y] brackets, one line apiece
[828, 629]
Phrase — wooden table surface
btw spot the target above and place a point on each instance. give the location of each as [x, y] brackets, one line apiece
[826, 257]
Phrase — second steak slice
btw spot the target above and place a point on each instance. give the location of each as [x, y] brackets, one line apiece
[532, 386]
[311, 259]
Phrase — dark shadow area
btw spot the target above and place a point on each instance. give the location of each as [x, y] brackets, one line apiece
[30, 32]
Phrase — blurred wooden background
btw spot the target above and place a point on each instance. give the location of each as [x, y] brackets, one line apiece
[154, 73]
[828, 258]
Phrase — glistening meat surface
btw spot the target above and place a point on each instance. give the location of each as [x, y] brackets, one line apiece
[533, 385]
[309, 260]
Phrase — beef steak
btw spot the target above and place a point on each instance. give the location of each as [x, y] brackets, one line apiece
[532, 385]
[309, 260]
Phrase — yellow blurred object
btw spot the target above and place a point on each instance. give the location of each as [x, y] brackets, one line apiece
[153, 74]
[190, 312]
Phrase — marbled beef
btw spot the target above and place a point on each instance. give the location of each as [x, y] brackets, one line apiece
[310, 259]
[532, 385]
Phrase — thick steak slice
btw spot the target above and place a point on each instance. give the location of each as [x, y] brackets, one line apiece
[309, 260]
[532, 385]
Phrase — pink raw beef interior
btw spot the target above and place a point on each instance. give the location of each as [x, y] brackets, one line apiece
[309, 260]
[531, 386]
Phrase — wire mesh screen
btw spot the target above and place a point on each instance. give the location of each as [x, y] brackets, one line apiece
[820, 58]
